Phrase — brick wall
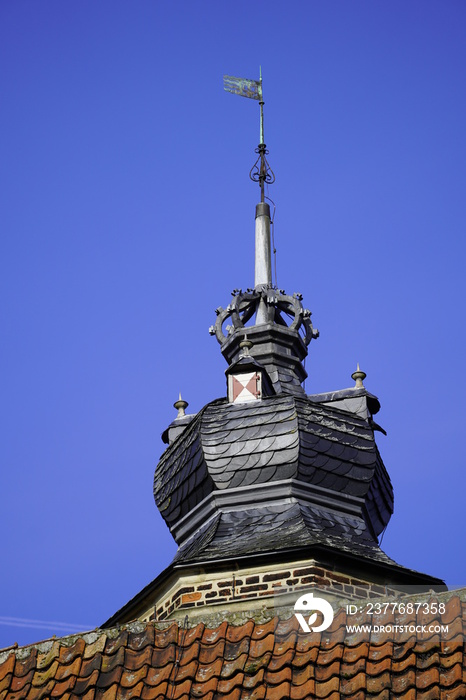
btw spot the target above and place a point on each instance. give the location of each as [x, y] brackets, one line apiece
[255, 584]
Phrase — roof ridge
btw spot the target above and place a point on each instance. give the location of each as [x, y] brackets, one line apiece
[138, 626]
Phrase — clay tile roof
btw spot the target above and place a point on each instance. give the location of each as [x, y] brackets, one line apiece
[275, 660]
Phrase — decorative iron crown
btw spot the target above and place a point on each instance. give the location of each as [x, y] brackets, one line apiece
[279, 305]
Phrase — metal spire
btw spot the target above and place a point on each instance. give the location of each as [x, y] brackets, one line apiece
[261, 173]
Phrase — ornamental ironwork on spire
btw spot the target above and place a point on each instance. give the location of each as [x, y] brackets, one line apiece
[277, 324]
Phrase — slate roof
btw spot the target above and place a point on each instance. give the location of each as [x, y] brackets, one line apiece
[228, 447]
[272, 661]
[240, 533]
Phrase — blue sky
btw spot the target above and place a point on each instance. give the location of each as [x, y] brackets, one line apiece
[127, 217]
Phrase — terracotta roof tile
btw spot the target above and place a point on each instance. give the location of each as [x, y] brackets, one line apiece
[90, 695]
[323, 673]
[135, 659]
[304, 691]
[18, 695]
[267, 661]
[431, 694]
[403, 656]
[376, 653]
[83, 685]
[163, 657]
[374, 668]
[63, 687]
[24, 666]
[279, 692]
[426, 678]
[261, 631]
[113, 644]
[236, 634]
[153, 692]
[304, 674]
[301, 659]
[349, 670]
[19, 682]
[227, 686]
[251, 681]
[350, 686]
[209, 653]
[109, 662]
[155, 676]
[457, 693]
[42, 677]
[187, 671]
[41, 692]
[206, 671]
[199, 689]
[90, 665]
[253, 665]
[234, 649]
[402, 682]
[140, 640]
[6, 682]
[107, 694]
[451, 676]
[180, 690]
[259, 647]
[130, 678]
[328, 656]
[8, 665]
[378, 684]
[106, 680]
[95, 647]
[325, 688]
[67, 654]
[232, 667]
[211, 636]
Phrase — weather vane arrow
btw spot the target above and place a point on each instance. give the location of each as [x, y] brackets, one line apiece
[261, 171]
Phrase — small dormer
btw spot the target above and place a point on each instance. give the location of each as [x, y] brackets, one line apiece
[247, 379]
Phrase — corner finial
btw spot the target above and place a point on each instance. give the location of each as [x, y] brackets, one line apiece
[180, 406]
[245, 346]
[358, 377]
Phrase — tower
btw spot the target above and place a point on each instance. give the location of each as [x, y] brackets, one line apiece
[269, 490]
[272, 495]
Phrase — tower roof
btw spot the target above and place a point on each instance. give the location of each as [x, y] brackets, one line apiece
[261, 462]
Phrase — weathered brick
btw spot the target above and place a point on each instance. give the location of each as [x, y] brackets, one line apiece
[190, 597]
[258, 587]
[306, 571]
[276, 577]
[186, 589]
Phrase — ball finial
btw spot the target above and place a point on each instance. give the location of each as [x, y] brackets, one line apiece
[180, 406]
[358, 377]
[245, 346]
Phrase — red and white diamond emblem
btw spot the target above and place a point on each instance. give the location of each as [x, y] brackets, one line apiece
[244, 387]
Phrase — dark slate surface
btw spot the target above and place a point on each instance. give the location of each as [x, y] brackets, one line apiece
[229, 446]
[337, 449]
[279, 527]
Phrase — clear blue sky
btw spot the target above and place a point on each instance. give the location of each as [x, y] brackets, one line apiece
[127, 217]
